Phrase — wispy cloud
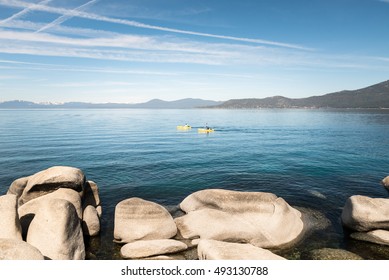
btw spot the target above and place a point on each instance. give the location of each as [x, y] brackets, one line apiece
[169, 50]
[108, 45]
[109, 39]
[117, 46]
[185, 15]
[59, 29]
[380, 58]
[64, 18]
[91, 16]
[25, 11]
[121, 41]
[113, 55]
[8, 77]
[15, 64]
[123, 47]
[65, 68]
[92, 84]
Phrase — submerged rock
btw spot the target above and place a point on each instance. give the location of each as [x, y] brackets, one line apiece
[314, 220]
[219, 250]
[12, 249]
[317, 194]
[261, 219]
[9, 219]
[378, 236]
[138, 219]
[148, 248]
[52, 179]
[331, 254]
[362, 213]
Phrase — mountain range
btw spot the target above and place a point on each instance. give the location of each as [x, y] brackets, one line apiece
[187, 103]
[375, 96]
[371, 97]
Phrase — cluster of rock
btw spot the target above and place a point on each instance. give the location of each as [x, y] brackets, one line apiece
[46, 215]
[146, 229]
[368, 217]
[223, 224]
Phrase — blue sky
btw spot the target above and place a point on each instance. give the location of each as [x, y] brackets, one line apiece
[136, 50]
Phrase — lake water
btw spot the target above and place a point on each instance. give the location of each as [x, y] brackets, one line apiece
[314, 159]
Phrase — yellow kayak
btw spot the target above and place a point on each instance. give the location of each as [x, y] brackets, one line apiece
[184, 127]
[205, 130]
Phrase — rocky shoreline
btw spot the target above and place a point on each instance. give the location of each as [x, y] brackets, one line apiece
[50, 214]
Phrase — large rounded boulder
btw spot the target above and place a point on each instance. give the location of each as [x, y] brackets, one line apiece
[219, 250]
[9, 219]
[56, 231]
[147, 248]
[363, 213]
[91, 194]
[138, 219]
[28, 210]
[12, 249]
[261, 219]
[52, 179]
[226, 200]
[70, 195]
[92, 209]
[90, 221]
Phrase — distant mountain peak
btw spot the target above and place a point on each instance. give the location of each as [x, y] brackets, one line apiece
[187, 103]
[374, 96]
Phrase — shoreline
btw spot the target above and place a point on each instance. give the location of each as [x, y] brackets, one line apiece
[315, 224]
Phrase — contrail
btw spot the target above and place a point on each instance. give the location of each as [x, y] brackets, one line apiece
[64, 18]
[77, 13]
[24, 11]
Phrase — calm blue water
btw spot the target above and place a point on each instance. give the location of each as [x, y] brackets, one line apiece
[312, 158]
